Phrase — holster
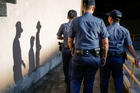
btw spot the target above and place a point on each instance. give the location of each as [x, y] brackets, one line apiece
[61, 46]
[102, 51]
[95, 52]
[125, 57]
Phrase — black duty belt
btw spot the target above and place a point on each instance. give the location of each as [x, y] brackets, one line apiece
[115, 54]
[81, 52]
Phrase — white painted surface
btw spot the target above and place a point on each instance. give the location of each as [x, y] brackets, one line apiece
[50, 13]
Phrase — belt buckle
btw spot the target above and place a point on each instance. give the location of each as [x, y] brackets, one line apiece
[85, 52]
[77, 51]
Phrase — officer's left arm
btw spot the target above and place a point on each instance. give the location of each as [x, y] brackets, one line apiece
[60, 32]
[128, 44]
[60, 37]
[133, 53]
[105, 46]
[104, 36]
[71, 37]
[70, 43]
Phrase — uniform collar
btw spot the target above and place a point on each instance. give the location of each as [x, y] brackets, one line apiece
[69, 23]
[87, 13]
[115, 23]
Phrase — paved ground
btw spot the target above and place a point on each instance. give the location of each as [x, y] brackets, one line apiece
[53, 82]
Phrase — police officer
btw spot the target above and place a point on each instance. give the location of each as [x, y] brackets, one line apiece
[119, 38]
[66, 54]
[87, 31]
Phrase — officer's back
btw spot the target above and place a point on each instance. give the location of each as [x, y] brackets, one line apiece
[117, 37]
[88, 29]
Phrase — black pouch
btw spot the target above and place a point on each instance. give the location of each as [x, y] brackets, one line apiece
[96, 52]
[73, 49]
[102, 51]
[102, 61]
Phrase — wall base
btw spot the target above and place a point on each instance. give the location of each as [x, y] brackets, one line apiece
[24, 84]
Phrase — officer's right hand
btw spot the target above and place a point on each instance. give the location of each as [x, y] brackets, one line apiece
[136, 62]
[103, 62]
[72, 54]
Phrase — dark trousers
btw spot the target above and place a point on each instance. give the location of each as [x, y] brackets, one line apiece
[66, 57]
[83, 69]
[114, 65]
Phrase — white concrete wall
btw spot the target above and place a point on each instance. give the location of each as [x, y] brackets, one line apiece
[50, 13]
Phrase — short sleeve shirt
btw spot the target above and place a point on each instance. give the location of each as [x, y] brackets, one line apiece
[64, 30]
[119, 37]
[87, 31]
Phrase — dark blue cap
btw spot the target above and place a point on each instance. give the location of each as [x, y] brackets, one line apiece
[72, 13]
[115, 14]
[89, 2]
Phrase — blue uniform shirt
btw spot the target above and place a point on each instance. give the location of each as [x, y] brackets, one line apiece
[64, 30]
[87, 31]
[119, 37]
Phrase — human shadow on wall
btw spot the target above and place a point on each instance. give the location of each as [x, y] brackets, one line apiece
[38, 46]
[17, 57]
[31, 55]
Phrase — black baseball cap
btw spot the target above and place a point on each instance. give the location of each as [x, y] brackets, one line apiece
[115, 14]
[89, 2]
